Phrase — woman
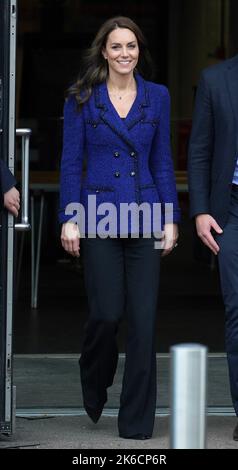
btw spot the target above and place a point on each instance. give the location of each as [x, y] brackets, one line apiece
[119, 123]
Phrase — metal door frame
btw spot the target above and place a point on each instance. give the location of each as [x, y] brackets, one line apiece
[7, 130]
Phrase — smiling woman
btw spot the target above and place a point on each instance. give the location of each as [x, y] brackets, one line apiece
[121, 269]
[116, 37]
[122, 54]
[121, 51]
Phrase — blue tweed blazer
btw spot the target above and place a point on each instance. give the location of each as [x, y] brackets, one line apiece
[127, 160]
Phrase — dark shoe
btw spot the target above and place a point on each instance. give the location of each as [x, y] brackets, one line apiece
[235, 433]
[93, 413]
[142, 437]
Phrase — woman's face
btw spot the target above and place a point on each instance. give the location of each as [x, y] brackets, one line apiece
[121, 51]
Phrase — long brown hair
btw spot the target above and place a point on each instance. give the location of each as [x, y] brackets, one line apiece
[95, 68]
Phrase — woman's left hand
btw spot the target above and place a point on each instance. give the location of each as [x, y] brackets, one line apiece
[169, 240]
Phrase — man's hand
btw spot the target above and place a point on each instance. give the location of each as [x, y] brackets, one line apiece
[204, 224]
[70, 238]
[170, 238]
[12, 201]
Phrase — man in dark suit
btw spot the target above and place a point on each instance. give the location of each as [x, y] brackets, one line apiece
[213, 187]
[9, 195]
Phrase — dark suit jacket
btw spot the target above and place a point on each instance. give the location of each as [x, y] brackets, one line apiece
[7, 181]
[213, 147]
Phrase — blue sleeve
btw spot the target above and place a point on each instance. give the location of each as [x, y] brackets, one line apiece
[161, 163]
[1, 190]
[72, 157]
[7, 180]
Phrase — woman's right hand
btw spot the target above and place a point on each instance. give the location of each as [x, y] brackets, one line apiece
[70, 238]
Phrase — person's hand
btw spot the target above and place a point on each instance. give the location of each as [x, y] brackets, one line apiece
[204, 224]
[170, 237]
[12, 201]
[70, 238]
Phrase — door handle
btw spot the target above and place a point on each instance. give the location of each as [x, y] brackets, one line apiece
[25, 134]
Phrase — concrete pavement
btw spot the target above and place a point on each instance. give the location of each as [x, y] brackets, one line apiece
[78, 432]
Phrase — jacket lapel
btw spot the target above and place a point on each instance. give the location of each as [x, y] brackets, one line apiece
[137, 111]
[109, 115]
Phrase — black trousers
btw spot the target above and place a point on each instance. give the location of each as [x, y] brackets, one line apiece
[228, 265]
[121, 274]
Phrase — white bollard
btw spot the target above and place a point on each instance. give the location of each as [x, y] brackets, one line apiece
[188, 396]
